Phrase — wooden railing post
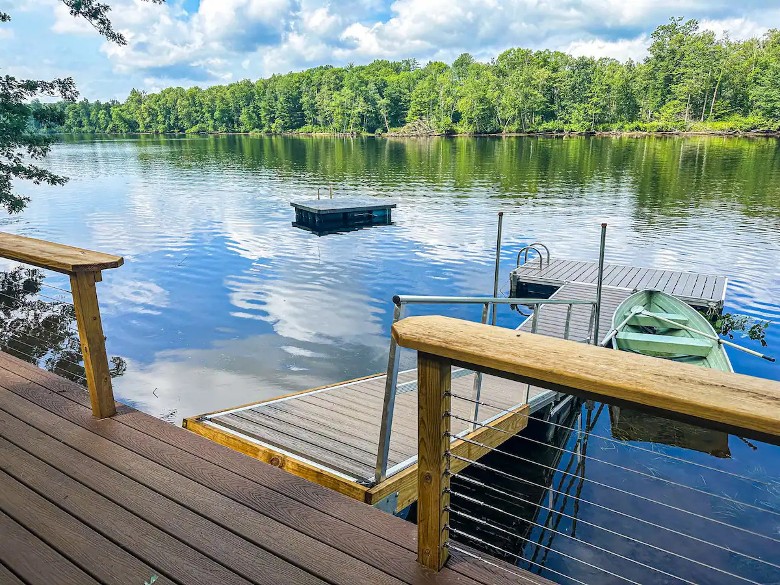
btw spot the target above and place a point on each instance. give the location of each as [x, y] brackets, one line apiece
[433, 383]
[93, 342]
[84, 269]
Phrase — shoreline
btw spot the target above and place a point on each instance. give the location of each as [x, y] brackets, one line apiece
[546, 134]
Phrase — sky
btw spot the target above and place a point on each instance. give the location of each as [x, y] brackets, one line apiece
[208, 42]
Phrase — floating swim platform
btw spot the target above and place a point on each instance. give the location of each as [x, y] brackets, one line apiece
[332, 215]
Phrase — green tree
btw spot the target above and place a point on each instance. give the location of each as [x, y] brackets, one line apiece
[21, 141]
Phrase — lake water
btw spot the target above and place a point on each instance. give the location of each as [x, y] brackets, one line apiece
[222, 302]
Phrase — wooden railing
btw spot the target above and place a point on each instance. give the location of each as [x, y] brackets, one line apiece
[84, 268]
[735, 403]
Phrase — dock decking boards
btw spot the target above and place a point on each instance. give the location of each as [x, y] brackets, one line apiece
[122, 499]
[552, 318]
[331, 435]
[699, 290]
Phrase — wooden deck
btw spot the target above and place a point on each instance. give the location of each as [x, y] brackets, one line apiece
[330, 435]
[699, 290]
[123, 499]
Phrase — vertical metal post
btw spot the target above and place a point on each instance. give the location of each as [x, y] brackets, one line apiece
[599, 283]
[497, 271]
[478, 377]
[535, 318]
[391, 383]
[568, 322]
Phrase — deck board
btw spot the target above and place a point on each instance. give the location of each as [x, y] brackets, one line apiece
[75, 539]
[707, 291]
[552, 318]
[298, 427]
[35, 561]
[138, 492]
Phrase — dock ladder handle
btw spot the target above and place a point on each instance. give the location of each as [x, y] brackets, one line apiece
[532, 247]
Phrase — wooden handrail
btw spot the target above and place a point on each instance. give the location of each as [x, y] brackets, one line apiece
[57, 257]
[84, 268]
[732, 402]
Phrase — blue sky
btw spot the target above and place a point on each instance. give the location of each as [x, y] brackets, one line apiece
[205, 42]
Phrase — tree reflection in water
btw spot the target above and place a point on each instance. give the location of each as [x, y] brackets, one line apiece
[42, 331]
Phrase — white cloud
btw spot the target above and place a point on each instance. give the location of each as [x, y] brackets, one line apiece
[622, 49]
[65, 24]
[226, 40]
[738, 28]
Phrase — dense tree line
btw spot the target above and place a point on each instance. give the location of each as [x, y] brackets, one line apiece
[690, 80]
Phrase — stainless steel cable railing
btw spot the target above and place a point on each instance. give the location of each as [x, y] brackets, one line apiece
[401, 303]
[617, 523]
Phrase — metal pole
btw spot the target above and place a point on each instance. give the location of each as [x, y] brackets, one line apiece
[599, 284]
[498, 264]
[391, 384]
[478, 379]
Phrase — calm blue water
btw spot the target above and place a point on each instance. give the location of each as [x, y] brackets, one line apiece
[222, 302]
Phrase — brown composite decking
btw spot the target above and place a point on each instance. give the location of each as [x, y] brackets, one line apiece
[124, 499]
[701, 290]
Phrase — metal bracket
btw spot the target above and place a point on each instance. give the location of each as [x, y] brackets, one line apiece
[388, 503]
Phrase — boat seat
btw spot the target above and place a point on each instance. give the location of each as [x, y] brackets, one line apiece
[663, 344]
[649, 321]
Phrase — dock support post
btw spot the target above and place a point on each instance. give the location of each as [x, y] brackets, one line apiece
[433, 480]
[498, 264]
[599, 284]
[93, 343]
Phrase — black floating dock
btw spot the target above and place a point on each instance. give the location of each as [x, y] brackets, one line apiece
[330, 215]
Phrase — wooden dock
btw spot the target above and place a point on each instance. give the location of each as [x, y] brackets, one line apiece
[129, 498]
[323, 216]
[543, 277]
[330, 435]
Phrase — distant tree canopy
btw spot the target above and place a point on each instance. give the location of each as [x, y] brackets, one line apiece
[690, 80]
[21, 120]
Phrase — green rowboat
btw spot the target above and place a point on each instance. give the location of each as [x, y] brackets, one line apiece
[654, 323]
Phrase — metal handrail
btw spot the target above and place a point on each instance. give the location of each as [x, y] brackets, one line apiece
[546, 249]
[527, 249]
[400, 300]
[391, 381]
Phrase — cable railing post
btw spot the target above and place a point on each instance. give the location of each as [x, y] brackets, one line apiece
[93, 342]
[433, 480]
[391, 385]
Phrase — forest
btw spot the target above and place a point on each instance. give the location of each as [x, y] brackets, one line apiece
[690, 80]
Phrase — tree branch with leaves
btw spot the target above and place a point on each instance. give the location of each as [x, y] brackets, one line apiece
[22, 143]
